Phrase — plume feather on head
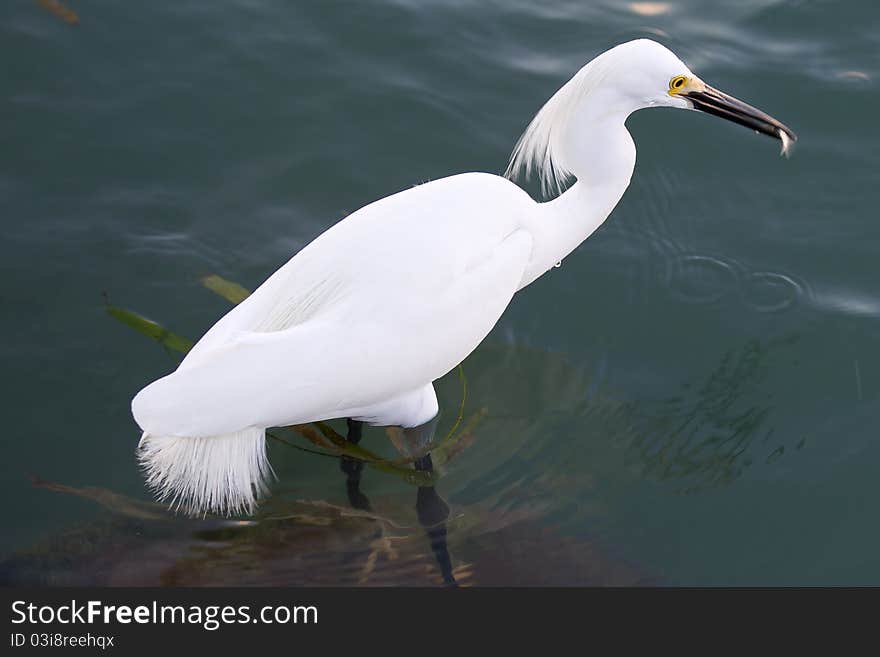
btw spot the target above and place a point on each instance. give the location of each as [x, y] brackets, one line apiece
[541, 148]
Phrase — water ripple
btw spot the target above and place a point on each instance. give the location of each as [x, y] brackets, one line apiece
[700, 279]
[707, 279]
[768, 292]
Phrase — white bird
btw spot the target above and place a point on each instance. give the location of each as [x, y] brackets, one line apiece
[362, 320]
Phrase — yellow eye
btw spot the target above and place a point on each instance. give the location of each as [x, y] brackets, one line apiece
[677, 83]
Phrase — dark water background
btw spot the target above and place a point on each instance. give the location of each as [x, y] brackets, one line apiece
[692, 398]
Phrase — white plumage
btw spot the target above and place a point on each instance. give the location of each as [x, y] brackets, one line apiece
[361, 321]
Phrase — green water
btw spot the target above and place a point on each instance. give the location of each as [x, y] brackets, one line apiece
[692, 398]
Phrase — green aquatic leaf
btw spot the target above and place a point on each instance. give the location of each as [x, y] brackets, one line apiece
[150, 328]
[232, 292]
[344, 448]
[460, 441]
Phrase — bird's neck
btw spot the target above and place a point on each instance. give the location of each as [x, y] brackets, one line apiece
[603, 163]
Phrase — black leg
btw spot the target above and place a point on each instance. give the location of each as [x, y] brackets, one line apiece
[352, 468]
[433, 512]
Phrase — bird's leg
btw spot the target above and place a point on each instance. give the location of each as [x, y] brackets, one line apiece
[353, 467]
[433, 511]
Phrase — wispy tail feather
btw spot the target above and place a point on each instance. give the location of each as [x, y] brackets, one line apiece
[224, 474]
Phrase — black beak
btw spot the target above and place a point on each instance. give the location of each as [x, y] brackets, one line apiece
[710, 100]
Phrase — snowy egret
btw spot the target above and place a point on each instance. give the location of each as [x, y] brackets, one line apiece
[362, 321]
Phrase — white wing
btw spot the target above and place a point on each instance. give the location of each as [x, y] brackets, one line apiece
[384, 302]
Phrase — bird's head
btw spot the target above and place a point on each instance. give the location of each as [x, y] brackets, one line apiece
[644, 73]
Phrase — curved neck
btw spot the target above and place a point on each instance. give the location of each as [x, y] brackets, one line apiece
[603, 158]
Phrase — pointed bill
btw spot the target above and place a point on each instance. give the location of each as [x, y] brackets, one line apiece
[712, 101]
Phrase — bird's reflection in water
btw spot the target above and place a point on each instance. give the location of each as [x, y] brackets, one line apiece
[431, 509]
